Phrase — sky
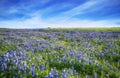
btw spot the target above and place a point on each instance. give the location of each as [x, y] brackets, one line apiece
[59, 13]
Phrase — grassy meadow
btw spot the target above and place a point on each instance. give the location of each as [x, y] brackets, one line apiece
[60, 53]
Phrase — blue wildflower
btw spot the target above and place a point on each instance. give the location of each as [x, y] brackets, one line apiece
[32, 71]
[50, 75]
[64, 58]
[64, 75]
[42, 67]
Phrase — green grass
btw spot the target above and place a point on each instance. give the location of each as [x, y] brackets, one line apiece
[88, 29]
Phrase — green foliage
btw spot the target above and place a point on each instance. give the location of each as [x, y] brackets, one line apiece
[6, 46]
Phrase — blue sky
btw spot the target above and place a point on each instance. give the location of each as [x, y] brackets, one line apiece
[59, 13]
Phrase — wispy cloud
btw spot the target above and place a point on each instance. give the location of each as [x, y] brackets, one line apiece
[88, 6]
[52, 13]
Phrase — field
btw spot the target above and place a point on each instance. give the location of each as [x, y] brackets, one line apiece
[60, 53]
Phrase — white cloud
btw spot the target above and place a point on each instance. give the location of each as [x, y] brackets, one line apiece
[36, 22]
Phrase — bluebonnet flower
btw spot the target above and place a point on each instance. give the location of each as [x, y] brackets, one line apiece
[106, 51]
[15, 61]
[33, 65]
[42, 67]
[114, 53]
[59, 47]
[75, 72]
[4, 66]
[78, 56]
[25, 65]
[89, 61]
[64, 58]
[41, 48]
[56, 75]
[25, 57]
[7, 61]
[64, 75]
[23, 71]
[82, 60]
[110, 67]
[19, 54]
[50, 75]
[19, 67]
[32, 71]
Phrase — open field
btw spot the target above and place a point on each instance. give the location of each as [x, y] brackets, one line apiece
[60, 53]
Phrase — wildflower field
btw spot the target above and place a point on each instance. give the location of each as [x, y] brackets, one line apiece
[60, 53]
